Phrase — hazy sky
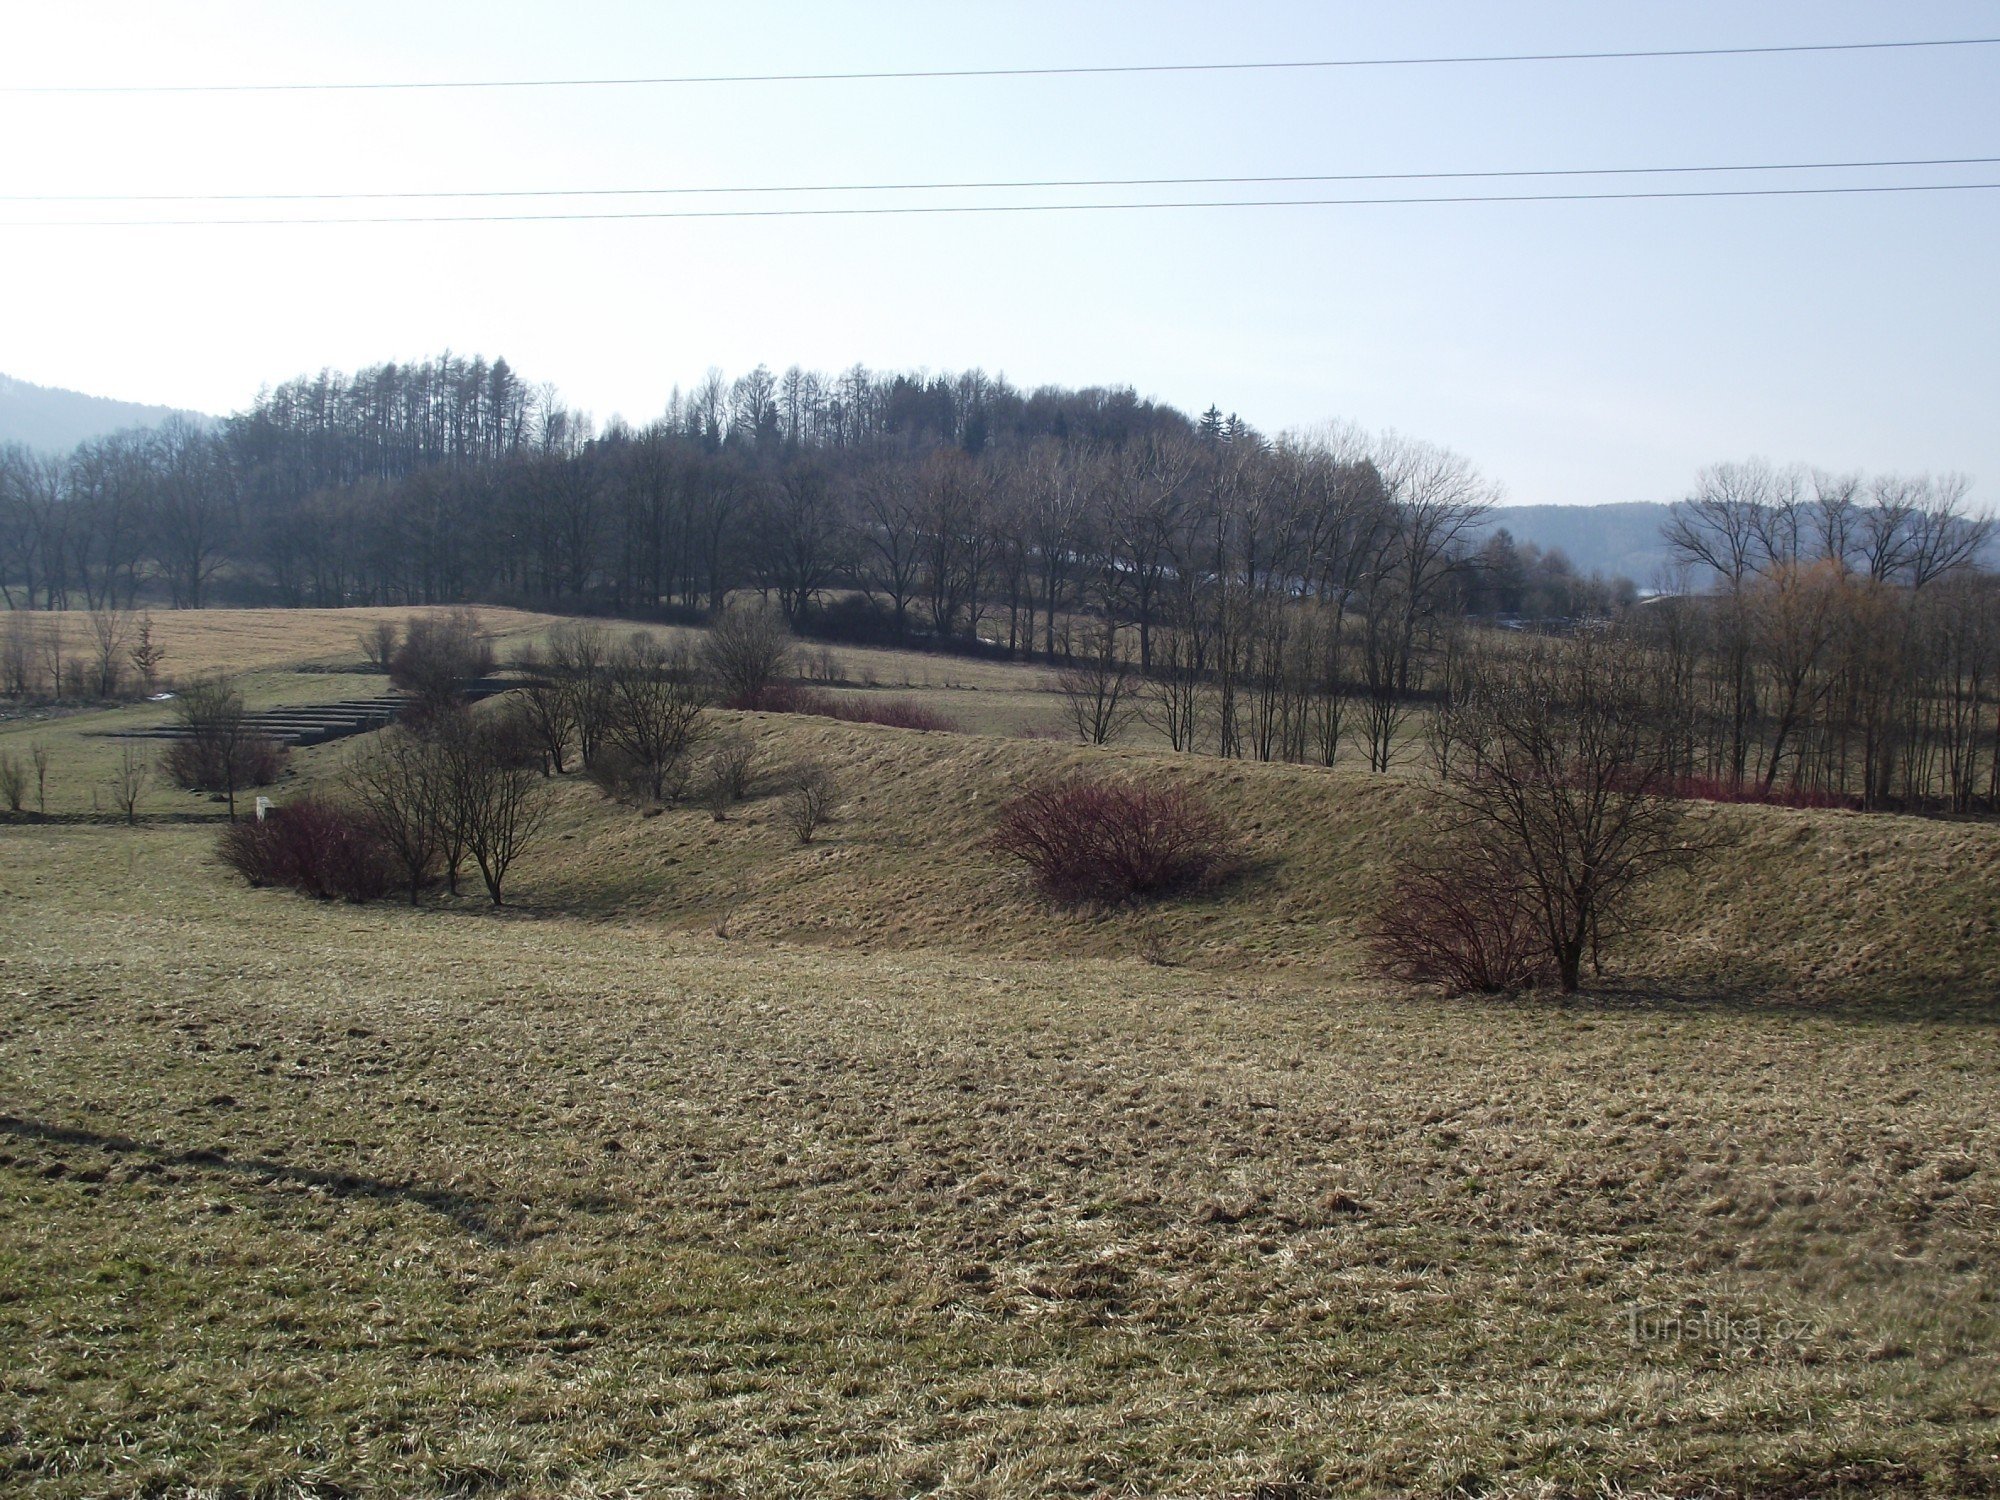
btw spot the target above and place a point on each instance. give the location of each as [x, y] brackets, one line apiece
[1576, 351]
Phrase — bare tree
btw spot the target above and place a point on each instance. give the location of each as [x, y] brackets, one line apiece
[13, 781]
[548, 708]
[402, 780]
[38, 757]
[220, 750]
[1553, 772]
[656, 708]
[747, 648]
[1098, 687]
[129, 781]
[109, 630]
[503, 805]
[812, 799]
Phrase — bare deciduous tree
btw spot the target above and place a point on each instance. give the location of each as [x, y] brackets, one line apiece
[1553, 772]
[747, 648]
[129, 781]
[812, 799]
[1098, 686]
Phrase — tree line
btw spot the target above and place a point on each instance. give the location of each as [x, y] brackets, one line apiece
[1304, 597]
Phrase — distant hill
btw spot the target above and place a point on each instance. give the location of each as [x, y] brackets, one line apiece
[1610, 539]
[1617, 539]
[54, 420]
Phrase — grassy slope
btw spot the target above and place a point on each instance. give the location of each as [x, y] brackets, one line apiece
[365, 1200]
[1810, 906]
[725, 1166]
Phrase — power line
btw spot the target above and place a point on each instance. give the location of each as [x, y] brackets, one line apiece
[928, 187]
[885, 75]
[1010, 208]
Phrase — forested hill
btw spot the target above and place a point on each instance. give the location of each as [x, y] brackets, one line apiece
[52, 420]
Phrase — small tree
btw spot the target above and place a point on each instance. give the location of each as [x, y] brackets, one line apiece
[812, 798]
[577, 656]
[38, 755]
[1552, 768]
[109, 629]
[378, 645]
[219, 749]
[655, 714]
[147, 655]
[548, 707]
[502, 803]
[13, 781]
[437, 656]
[748, 647]
[401, 780]
[1097, 689]
[130, 780]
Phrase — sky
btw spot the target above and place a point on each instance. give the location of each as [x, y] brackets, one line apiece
[1576, 351]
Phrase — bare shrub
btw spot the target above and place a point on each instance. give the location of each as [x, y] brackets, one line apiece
[812, 798]
[318, 848]
[134, 773]
[1086, 840]
[1098, 689]
[220, 751]
[849, 708]
[1463, 920]
[378, 645]
[748, 647]
[38, 756]
[728, 772]
[655, 716]
[13, 781]
[438, 655]
[823, 667]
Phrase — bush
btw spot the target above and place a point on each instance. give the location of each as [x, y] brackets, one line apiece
[1460, 920]
[315, 847]
[1087, 840]
[813, 798]
[748, 648]
[728, 772]
[438, 655]
[210, 764]
[791, 698]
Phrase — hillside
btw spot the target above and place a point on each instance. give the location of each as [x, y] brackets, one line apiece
[53, 420]
[715, 1164]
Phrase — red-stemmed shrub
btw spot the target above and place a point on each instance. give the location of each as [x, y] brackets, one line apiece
[314, 847]
[1085, 840]
[794, 698]
[1460, 921]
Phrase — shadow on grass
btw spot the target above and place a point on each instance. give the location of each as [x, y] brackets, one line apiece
[1774, 994]
[470, 1214]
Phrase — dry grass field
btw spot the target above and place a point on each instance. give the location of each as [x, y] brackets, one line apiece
[721, 1166]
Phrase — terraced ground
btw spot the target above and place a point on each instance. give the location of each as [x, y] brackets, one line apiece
[724, 1166]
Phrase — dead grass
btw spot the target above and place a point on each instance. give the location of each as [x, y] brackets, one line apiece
[314, 1199]
[724, 1166]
